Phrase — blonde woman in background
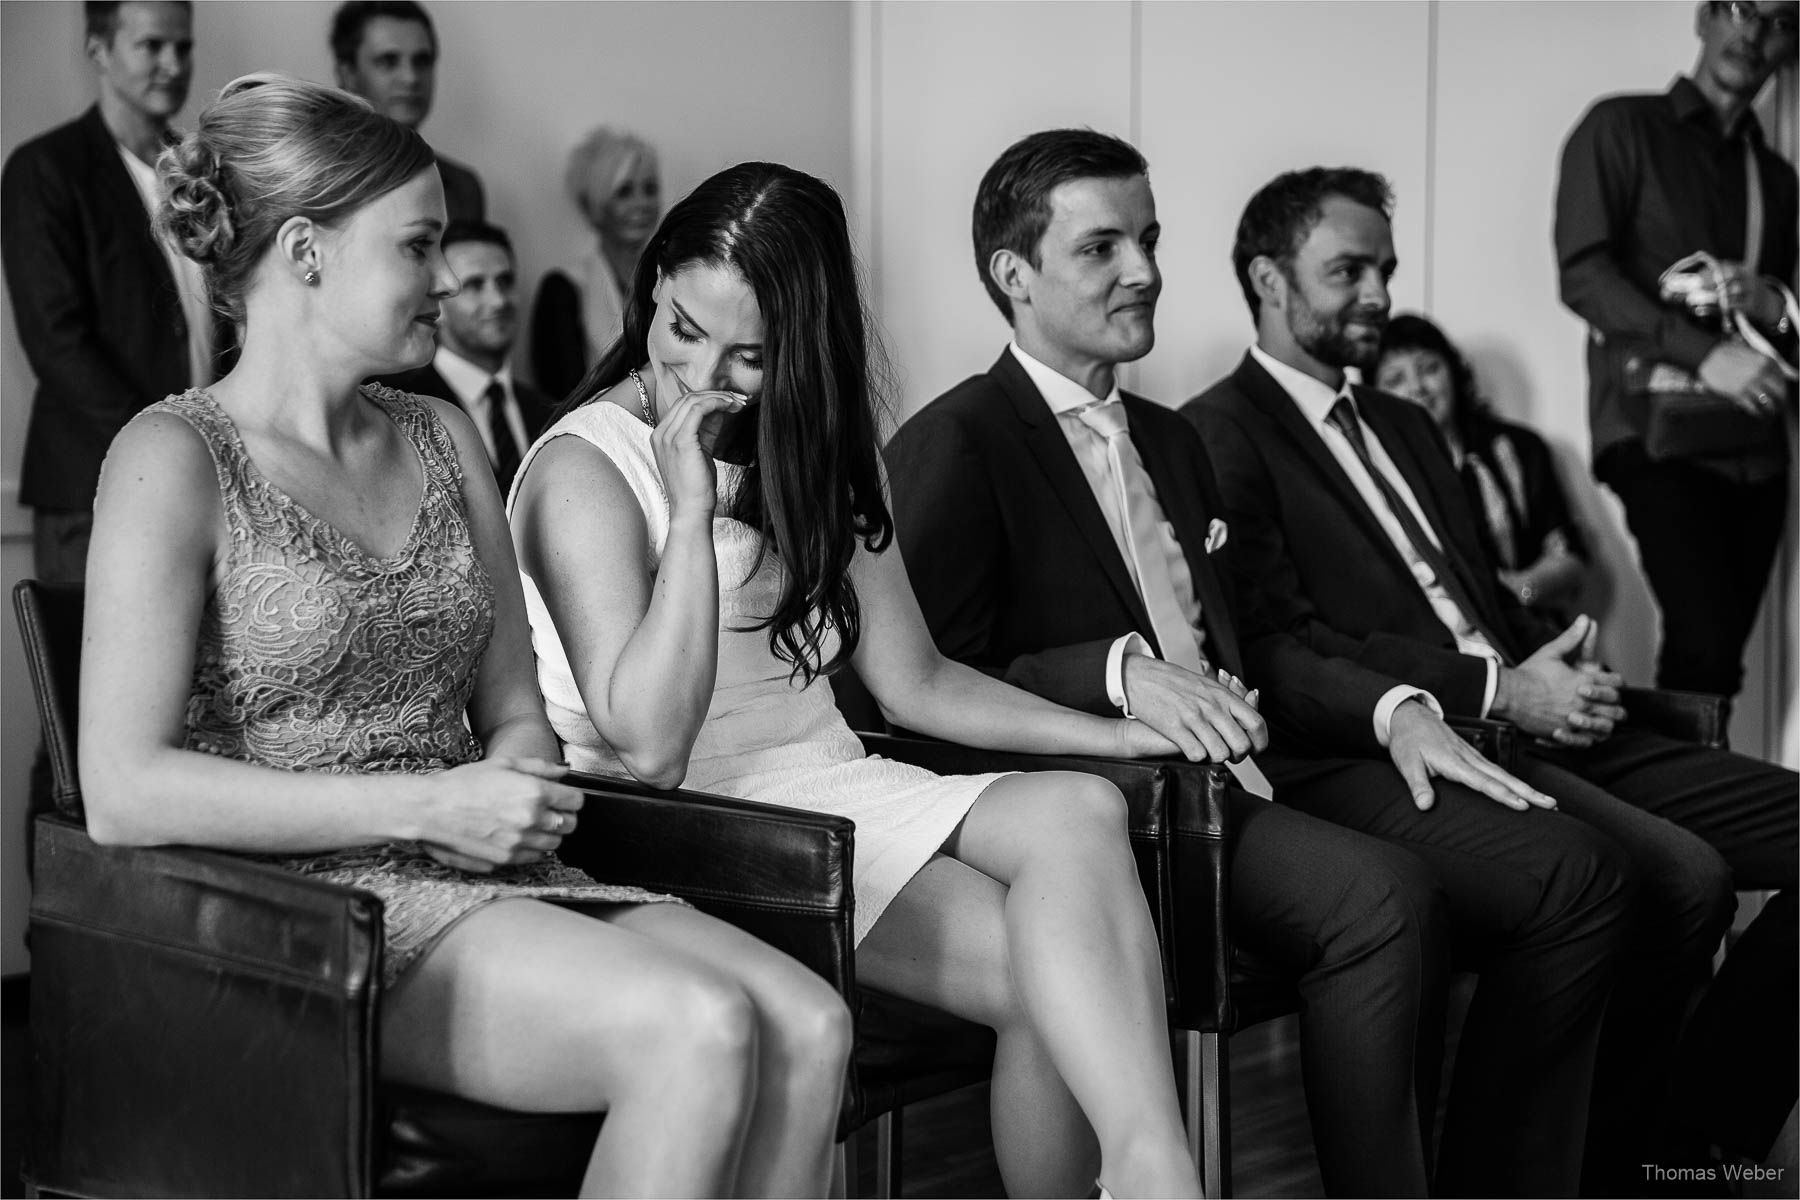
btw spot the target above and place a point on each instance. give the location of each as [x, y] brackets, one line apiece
[614, 179]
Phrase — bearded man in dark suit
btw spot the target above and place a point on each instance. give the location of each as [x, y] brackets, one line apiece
[1069, 538]
[1356, 545]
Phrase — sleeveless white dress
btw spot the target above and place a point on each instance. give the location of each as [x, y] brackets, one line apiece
[767, 736]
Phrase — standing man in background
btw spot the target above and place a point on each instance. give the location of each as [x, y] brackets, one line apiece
[1648, 180]
[471, 367]
[110, 321]
[386, 52]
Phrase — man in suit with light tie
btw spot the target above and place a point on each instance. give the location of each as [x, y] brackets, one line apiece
[1068, 537]
[471, 367]
[386, 51]
[1355, 544]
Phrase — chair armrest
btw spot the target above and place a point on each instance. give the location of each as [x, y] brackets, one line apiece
[192, 999]
[1497, 741]
[782, 874]
[1698, 717]
[50, 630]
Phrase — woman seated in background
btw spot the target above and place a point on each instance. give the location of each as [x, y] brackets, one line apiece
[298, 590]
[687, 612]
[1506, 468]
[614, 179]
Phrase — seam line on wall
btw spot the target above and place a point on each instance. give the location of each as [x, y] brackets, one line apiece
[1431, 115]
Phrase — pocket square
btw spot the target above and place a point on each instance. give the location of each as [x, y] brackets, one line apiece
[1216, 533]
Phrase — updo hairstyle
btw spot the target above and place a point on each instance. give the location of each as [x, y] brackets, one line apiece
[268, 148]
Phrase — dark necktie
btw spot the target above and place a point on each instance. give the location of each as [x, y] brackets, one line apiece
[1343, 415]
[506, 449]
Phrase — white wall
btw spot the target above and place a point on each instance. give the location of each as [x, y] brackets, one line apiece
[1464, 106]
[709, 83]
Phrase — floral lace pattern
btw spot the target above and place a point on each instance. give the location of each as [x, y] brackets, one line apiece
[316, 655]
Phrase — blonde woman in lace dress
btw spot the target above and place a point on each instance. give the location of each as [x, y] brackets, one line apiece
[300, 587]
[686, 613]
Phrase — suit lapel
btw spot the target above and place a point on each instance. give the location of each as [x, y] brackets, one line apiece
[1178, 493]
[1050, 448]
[1261, 387]
[119, 194]
[1414, 469]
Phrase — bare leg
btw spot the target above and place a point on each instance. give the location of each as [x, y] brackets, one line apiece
[803, 1039]
[1083, 961]
[943, 942]
[533, 1007]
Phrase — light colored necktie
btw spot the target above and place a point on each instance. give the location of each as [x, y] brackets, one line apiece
[1150, 571]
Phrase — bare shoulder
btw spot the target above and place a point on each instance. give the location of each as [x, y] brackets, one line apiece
[159, 453]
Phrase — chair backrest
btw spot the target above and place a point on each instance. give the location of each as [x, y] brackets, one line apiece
[50, 622]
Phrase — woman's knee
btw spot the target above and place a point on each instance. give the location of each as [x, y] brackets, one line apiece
[813, 1023]
[702, 1024]
[1088, 801]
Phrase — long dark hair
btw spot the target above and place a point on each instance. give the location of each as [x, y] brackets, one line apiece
[814, 488]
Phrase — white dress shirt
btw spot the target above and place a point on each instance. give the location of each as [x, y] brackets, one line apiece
[1315, 400]
[1064, 396]
[190, 284]
[470, 383]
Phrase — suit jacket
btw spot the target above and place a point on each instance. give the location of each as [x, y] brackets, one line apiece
[463, 197]
[95, 302]
[1012, 560]
[1321, 580]
[534, 406]
[559, 341]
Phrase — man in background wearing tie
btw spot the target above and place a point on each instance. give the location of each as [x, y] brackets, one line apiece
[1356, 544]
[1067, 537]
[471, 366]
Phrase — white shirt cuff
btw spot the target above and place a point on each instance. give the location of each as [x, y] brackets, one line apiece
[1493, 686]
[1131, 643]
[1394, 698]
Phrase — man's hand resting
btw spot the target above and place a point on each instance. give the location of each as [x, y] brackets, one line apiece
[1423, 747]
[1208, 720]
[1561, 694]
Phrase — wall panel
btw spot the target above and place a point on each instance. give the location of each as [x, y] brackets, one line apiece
[956, 83]
[1233, 94]
[1509, 91]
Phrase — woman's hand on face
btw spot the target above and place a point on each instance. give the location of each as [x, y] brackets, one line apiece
[682, 442]
[499, 812]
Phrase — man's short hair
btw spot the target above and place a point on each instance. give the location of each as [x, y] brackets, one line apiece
[1012, 205]
[1281, 215]
[478, 231]
[354, 15]
[102, 17]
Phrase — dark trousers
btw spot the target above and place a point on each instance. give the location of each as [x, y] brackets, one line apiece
[1361, 926]
[1698, 824]
[1707, 544]
[1536, 902]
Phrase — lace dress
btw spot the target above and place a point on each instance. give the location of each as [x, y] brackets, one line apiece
[315, 655]
[767, 736]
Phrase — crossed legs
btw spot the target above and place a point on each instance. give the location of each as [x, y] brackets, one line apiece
[719, 1060]
[1033, 922]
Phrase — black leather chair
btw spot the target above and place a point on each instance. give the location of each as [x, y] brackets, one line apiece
[203, 1024]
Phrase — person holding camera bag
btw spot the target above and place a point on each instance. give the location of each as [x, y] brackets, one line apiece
[1676, 242]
